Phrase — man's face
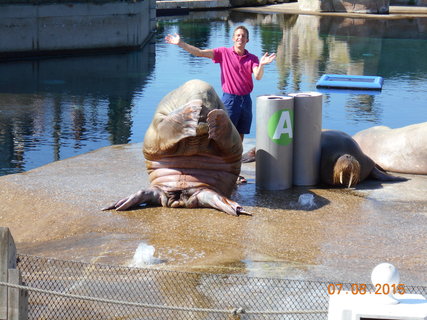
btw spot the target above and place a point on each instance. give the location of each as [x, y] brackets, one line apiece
[240, 38]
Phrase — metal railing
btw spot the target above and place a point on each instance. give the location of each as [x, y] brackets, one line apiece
[59, 289]
[43, 288]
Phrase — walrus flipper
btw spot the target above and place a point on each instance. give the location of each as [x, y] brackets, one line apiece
[148, 196]
[166, 130]
[249, 156]
[210, 199]
[379, 174]
[222, 131]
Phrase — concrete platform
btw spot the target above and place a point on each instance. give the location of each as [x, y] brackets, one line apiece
[55, 211]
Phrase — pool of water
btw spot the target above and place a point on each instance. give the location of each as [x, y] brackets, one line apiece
[55, 108]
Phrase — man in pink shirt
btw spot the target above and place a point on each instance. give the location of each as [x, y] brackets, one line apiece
[237, 66]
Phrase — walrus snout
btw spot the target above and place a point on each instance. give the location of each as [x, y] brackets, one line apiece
[346, 171]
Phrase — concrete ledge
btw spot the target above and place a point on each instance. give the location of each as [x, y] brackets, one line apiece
[192, 4]
[350, 6]
[395, 12]
[38, 29]
[43, 2]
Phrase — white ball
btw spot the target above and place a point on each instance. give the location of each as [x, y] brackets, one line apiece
[385, 273]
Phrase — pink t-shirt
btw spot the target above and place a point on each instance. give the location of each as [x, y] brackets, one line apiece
[236, 71]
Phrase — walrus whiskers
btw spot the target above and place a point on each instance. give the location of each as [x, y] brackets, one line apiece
[346, 171]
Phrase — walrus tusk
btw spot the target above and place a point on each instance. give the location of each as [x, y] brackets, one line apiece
[351, 180]
[341, 178]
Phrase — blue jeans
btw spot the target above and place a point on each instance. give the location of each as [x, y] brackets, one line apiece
[239, 109]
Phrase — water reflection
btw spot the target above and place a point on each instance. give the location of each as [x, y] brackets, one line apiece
[56, 108]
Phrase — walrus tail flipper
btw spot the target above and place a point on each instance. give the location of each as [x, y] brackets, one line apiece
[249, 156]
[210, 199]
[379, 174]
[148, 196]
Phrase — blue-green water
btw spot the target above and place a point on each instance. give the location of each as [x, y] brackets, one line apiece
[55, 108]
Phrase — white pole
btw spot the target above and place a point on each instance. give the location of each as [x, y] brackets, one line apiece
[307, 128]
[274, 142]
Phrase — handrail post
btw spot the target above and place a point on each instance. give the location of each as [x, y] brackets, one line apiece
[13, 301]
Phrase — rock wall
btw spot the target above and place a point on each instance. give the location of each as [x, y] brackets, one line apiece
[354, 6]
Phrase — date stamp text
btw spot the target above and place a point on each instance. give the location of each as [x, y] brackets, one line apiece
[363, 288]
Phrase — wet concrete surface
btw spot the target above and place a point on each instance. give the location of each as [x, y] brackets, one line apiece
[55, 211]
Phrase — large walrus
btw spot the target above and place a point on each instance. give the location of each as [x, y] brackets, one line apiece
[192, 152]
[398, 150]
[343, 163]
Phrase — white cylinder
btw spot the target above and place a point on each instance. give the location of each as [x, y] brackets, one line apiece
[274, 142]
[307, 130]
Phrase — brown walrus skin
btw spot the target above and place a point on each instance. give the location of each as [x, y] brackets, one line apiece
[342, 161]
[192, 152]
[398, 150]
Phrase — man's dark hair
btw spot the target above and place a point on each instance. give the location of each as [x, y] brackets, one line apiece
[244, 29]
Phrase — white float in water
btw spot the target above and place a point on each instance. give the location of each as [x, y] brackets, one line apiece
[350, 82]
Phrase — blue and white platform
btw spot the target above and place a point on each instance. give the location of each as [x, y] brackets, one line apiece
[350, 82]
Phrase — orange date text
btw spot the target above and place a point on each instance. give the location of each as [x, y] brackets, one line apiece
[363, 288]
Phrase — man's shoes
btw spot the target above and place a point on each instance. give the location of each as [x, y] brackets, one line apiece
[241, 180]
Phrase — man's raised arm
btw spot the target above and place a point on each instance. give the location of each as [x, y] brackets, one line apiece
[176, 39]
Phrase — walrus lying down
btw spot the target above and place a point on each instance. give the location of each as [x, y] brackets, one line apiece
[342, 161]
[192, 152]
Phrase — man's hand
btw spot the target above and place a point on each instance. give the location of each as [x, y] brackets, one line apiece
[176, 39]
[266, 59]
[173, 39]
